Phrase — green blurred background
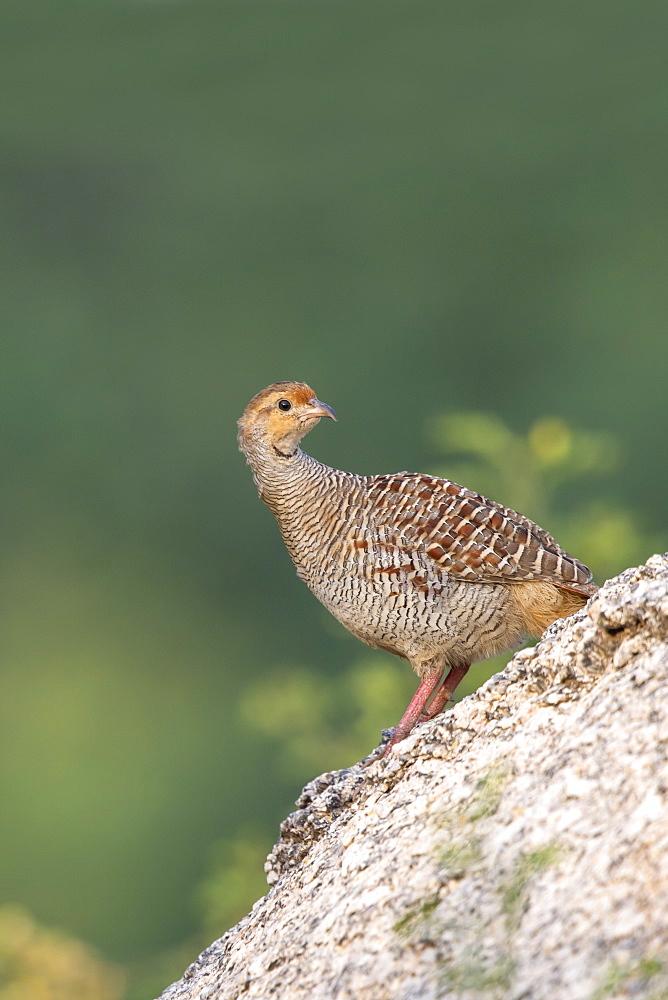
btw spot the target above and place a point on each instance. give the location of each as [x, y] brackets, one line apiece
[451, 220]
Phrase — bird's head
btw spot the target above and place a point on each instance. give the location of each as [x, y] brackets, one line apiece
[279, 417]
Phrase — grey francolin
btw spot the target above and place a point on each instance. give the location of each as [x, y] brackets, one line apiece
[413, 564]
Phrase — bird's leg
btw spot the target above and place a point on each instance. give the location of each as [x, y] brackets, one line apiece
[445, 692]
[416, 707]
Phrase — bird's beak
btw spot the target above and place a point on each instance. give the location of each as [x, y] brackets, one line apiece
[318, 409]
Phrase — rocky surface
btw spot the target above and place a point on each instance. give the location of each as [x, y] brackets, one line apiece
[515, 847]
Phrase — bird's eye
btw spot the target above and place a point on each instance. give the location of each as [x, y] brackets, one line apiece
[284, 404]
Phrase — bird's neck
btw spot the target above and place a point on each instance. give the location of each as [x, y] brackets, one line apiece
[283, 480]
[303, 495]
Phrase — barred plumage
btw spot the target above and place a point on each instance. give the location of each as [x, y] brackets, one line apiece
[413, 564]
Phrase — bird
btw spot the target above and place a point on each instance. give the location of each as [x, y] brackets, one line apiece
[413, 564]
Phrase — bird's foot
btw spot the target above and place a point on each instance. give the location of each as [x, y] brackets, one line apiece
[418, 710]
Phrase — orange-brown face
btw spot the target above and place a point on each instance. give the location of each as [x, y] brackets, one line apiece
[281, 414]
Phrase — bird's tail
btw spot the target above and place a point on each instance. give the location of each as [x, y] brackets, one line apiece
[541, 603]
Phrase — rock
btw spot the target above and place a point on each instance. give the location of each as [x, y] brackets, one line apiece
[515, 847]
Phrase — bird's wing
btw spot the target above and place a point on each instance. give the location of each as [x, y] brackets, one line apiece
[470, 537]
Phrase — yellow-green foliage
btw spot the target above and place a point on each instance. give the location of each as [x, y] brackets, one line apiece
[235, 880]
[41, 964]
[324, 723]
